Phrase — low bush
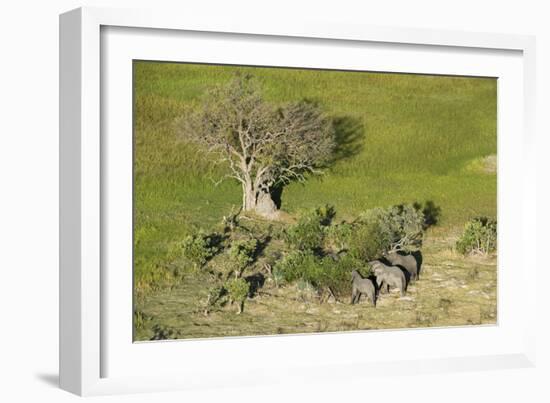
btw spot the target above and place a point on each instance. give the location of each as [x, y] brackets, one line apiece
[399, 227]
[338, 236]
[323, 273]
[213, 299]
[479, 237]
[198, 248]
[378, 230]
[238, 290]
[336, 275]
[368, 241]
[308, 233]
[300, 265]
[241, 254]
[278, 276]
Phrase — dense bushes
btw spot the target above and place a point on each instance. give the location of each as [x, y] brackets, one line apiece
[299, 265]
[198, 248]
[323, 254]
[368, 241]
[479, 236]
[337, 274]
[377, 231]
[398, 227]
[315, 252]
[322, 272]
[312, 258]
[241, 254]
[308, 232]
[338, 236]
[238, 290]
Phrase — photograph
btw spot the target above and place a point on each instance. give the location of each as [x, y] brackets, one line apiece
[282, 200]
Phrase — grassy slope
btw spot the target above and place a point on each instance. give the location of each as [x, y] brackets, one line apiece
[422, 135]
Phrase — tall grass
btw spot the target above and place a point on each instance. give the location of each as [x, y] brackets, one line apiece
[419, 134]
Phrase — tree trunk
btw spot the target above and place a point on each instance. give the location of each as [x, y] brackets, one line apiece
[240, 308]
[265, 206]
[259, 201]
[249, 196]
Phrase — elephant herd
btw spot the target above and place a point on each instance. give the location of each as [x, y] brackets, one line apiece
[394, 269]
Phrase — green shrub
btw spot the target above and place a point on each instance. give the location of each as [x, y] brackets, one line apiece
[300, 265]
[199, 248]
[368, 242]
[241, 254]
[339, 235]
[398, 227]
[378, 230]
[277, 232]
[479, 236]
[305, 235]
[278, 276]
[308, 232]
[213, 299]
[337, 274]
[321, 273]
[238, 290]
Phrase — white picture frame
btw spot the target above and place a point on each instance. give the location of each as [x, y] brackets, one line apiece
[97, 357]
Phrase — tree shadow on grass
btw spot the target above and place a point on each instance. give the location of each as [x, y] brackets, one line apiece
[255, 282]
[349, 137]
[431, 212]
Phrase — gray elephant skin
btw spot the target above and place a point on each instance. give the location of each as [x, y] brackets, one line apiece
[389, 276]
[408, 262]
[362, 286]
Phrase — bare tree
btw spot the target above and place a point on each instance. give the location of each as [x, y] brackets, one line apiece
[263, 145]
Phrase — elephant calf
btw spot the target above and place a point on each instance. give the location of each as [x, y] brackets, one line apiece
[362, 286]
[389, 276]
[408, 262]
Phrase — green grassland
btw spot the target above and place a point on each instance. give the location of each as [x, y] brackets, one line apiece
[415, 138]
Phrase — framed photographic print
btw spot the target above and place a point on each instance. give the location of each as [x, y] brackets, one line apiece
[231, 189]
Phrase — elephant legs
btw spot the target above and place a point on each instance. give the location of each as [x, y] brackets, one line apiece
[355, 297]
[383, 288]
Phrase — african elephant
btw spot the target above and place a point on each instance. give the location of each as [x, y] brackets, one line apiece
[362, 286]
[408, 262]
[389, 276]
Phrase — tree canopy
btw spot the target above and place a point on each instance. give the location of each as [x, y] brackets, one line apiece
[264, 145]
